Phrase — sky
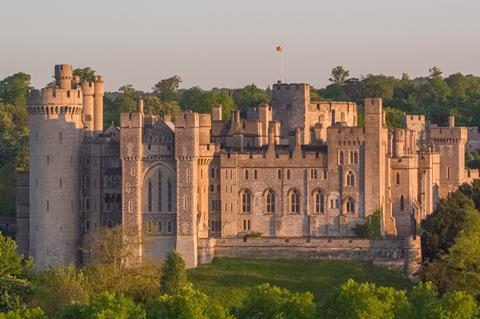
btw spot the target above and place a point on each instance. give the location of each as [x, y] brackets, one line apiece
[225, 43]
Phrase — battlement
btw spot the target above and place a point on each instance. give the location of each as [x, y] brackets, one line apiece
[187, 120]
[63, 76]
[52, 99]
[131, 120]
[447, 134]
[290, 86]
[373, 105]
[88, 88]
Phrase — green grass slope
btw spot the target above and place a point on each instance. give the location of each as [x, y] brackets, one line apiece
[227, 280]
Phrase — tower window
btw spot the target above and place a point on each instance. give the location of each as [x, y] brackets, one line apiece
[350, 179]
[149, 195]
[350, 205]
[246, 200]
[397, 179]
[159, 181]
[340, 158]
[402, 203]
[170, 195]
[319, 202]
[294, 201]
[270, 201]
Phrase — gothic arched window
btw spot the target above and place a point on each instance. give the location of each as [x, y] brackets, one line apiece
[160, 195]
[170, 195]
[149, 195]
[350, 205]
[319, 202]
[270, 201]
[355, 157]
[294, 201]
[340, 158]
[350, 179]
[246, 200]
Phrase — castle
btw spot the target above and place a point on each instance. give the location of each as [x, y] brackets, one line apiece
[295, 169]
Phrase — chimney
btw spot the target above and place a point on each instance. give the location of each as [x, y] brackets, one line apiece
[140, 106]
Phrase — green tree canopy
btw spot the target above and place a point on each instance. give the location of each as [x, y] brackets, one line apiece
[339, 75]
[166, 89]
[174, 273]
[265, 301]
[85, 74]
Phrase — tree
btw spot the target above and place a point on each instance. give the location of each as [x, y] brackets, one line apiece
[154, 106]
[59, 287]
[249, 96]
[85, 74]
[15, 293]
[394, 118]
[427, 304]
[457, 268]
[378, 86]
[103, 306]
[186, 303]
[339, 75]
[35, 313]
[265, 301]
[174, 276]
[440, 229]
[372, 228]
[353, 300]
[166, 89]
[12, 263]
[201, 101]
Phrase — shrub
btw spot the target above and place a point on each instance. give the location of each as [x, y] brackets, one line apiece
[14, 293]
[353, 300]
[105, 306]
[12, 263]
[265, 301]
[185, 304]
[174, 274]
[372, 228]
[35, 313]
[59, 287]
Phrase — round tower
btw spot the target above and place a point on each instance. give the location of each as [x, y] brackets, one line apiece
[56, 132]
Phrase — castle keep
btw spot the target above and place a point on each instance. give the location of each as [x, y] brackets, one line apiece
[293, 170]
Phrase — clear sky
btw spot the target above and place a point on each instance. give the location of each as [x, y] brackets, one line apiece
[227, 43]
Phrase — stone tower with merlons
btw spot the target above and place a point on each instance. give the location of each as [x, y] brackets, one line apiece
[57, 128]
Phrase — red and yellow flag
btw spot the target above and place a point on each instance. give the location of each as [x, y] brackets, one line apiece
[280, 48]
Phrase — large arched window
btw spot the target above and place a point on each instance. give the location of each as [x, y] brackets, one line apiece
[246, 200]
[149, 196]
[319, 202]
[402, 203]
[170, 195]
[350, 179]
[350, 205]
[160, 194]
[270, 201]
[294, 201]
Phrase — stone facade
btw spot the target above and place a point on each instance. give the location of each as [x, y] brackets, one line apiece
[296, 170]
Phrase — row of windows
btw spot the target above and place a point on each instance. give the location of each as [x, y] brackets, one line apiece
[348, 158]
[160, 227]
[160, 190]
[294, 200]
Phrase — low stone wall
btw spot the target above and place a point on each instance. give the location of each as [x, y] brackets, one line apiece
[306, 248]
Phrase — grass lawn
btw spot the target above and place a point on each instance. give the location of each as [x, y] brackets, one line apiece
[226, 280]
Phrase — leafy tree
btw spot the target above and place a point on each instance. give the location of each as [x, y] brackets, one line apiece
[59, 287]
[166, 89]
[394, 118]
[154, 106]
[15, 293]
[372, 228]
[14, 89]
[339, 75]
[427, 304]
[174, 276]
[184, 304]
[85, 74]
[441, 228]
[105, 306]
[249, 96]
[35, 313]
[265, 301]
[353, 300]
[127, 101]
[378, 86]
[201, 101]
[457, 269]
[12, 263]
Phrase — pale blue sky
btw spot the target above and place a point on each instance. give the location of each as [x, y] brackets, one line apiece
[228, 43]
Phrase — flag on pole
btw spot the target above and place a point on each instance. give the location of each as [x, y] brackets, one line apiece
[280, 48]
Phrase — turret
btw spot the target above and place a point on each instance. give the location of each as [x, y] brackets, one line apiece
[217, 112]
[88, 91]
[56, 133]
[98, 104]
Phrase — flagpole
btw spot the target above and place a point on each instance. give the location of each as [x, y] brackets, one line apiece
[282, 62]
